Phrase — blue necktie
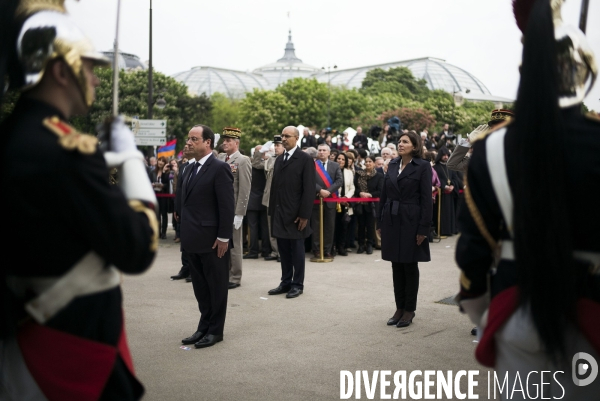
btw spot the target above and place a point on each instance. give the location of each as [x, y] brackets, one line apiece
[285, 158]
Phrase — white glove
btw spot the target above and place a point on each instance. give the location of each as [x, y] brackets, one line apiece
[237, 221]
[266, 147]
[121, 137]
[477, 132]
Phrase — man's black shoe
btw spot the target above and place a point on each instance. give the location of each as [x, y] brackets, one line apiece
[209, 340]
[271, 257]
[188, 279]
[194, 338]
[279, 290]
[361, 249]
[250, 256]
[178, 276]
[231, 285]
[369, 249]
[342, 252]
[474, 331]
[294, 292]
[279, 258]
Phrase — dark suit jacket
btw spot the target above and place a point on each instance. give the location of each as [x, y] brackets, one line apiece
[207, 206]
[292, 195]
[336, 176]
[308, 141]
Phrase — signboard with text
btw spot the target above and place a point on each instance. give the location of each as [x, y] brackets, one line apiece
[149, 132]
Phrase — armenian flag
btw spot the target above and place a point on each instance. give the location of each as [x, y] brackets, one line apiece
[168, 149]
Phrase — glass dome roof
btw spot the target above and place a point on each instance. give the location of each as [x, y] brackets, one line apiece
[210, 80]
[436, 72]
[235, 84]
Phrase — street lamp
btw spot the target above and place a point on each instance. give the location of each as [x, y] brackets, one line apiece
[329, 91]
[150, 94]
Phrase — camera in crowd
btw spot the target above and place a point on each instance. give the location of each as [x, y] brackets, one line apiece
[394, 129]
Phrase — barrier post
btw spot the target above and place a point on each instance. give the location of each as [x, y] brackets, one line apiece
[439, 225]
[322, 258]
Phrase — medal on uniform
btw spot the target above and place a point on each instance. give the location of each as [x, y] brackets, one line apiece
[234, 168]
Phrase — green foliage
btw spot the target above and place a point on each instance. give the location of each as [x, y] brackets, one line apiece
[225, 113]
[264, 113]
[181, 112]
[8, 103]
[412, 118]
[308, 98]
[399, 80]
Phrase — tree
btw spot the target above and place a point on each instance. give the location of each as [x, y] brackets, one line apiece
[264, 113]
[412, 118]
[345, 105]
[182, 111]
[308, 98]
[398, 80]
[225, 113]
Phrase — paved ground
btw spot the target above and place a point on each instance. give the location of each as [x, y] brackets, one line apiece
[294, 349]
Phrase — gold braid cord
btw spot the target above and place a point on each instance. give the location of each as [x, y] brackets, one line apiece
[28, 7]
[478, 218]
[138, 206]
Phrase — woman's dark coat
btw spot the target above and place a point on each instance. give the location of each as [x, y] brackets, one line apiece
[405, 211]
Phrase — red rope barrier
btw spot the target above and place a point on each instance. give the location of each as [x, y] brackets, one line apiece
[349, 200]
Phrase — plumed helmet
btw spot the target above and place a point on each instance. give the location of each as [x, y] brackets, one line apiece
[48, 33]
[577, 67]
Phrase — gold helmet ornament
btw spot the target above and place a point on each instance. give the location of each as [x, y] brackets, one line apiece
[49, 33]
[577, 67]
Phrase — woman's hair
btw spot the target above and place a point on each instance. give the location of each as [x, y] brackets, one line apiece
[542, 232]
[160, 159]
[354, 153]
[416, 142]
[342, 154]
[350, 155]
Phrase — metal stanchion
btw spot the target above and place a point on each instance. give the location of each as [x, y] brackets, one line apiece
[439, 226]
[322, 258]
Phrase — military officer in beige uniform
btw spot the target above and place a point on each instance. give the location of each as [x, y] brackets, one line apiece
[241, 168]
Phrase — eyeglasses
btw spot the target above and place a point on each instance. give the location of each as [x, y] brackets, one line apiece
[193, 139]
[288, 136]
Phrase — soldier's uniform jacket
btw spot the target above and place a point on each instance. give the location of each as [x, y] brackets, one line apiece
[483, 226]
[241, 168]
[62, 207]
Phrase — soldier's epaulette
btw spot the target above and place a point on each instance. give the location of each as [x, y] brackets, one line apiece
[69, 138]
[496, 128]
[593, 116]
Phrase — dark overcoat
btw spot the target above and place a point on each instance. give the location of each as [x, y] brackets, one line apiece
[292, 195]
[405, 211]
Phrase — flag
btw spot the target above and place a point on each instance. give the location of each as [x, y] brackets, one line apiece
[168, 149]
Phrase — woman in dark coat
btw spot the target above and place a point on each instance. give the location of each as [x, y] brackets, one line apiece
[404, 222]
[451, 184]
[368, 184]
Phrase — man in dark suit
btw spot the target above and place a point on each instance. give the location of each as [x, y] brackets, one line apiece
[207, 211]
[308, 140]
[328, 179]
[184, 272]
[290, 207]
[256, 213]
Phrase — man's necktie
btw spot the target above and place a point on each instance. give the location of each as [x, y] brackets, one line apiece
[285, 157]
[227, 158]
[194, 172]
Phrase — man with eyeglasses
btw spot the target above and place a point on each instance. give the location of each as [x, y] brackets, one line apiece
[290, 208]
[207, 212]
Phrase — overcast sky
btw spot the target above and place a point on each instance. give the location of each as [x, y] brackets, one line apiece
[479, 36]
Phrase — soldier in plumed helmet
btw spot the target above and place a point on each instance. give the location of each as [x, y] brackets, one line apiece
[527, 242]
[62, 325]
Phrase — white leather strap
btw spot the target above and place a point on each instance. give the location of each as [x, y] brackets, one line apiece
[88, 276]
[497, 168]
